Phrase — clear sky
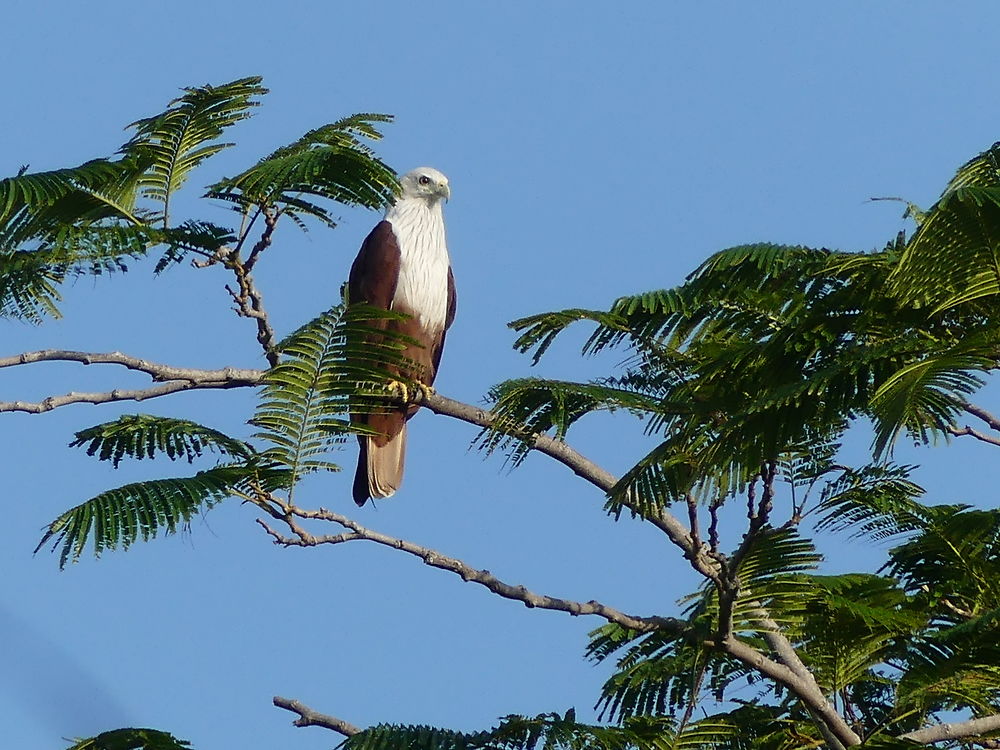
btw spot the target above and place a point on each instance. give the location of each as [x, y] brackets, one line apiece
[594, 150]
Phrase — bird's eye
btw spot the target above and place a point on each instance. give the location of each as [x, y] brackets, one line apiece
[424, 180]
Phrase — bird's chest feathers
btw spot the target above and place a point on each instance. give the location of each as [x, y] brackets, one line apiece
[422, 288]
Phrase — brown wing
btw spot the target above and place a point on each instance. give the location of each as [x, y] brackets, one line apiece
[438, 346]
[373, 279]
[376, 269]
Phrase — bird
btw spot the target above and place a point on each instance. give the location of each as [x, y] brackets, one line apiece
[404, 266]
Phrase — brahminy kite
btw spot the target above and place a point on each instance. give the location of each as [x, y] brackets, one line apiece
[403, 265]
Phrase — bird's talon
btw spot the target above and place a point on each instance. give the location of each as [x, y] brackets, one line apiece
[400, 389]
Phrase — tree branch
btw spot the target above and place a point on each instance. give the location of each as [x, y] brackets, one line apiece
[173, 379]
[958, 730]
[250, 304]
[582, 467]
[118, 394]
[310, 718]
[981, 413]
[357, 532]
[961, 431]
[179, 379]
[155, 370]
[801, 687]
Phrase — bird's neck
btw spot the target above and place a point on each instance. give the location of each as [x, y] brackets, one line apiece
[407, 210]
[419, 226]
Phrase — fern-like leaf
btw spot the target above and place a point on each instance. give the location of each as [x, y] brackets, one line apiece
[330, 162]
[306, 400]
[141, 510]
[132, 739]
[177, 140]
[145, 436]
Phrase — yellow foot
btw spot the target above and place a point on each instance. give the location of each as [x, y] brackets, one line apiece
[399, 389]
[403, 391]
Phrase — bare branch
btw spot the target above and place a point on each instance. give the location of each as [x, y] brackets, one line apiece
[250, 304]
[155, 370]
[962, 431]
[270, 220]
[958, 730]
[118, 394]
[357, 532]
[310, 718]
[580, 465]
[173, 379]
[977, 411]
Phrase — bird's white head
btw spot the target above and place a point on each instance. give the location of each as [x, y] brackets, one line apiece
[426, 183]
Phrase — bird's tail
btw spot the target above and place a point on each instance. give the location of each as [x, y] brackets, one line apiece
[380, 465]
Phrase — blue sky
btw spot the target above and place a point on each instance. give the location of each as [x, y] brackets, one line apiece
[593, 150]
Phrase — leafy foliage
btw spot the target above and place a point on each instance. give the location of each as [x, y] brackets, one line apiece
[93, 217]
[327, 366]
[747, 375]
[132, 739]
[306, 400]
[143, 436]
[549, 732]
[331, 162]
[764, 357]
[179, 139]
[140, 510]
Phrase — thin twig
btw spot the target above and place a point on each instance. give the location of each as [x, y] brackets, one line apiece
[357, 532]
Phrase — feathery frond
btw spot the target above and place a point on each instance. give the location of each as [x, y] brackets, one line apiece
[306, 399]
[330, 162]
[141, 510]
[952, 260]
[878, 502]
[146, 436]
[177, 140]
[551, 732]
[132, 739]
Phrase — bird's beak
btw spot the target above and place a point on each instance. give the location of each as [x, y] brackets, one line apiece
[445, 190]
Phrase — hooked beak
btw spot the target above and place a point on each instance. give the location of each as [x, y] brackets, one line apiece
[445, 190]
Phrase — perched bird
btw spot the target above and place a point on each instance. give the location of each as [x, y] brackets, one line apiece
[403, 265]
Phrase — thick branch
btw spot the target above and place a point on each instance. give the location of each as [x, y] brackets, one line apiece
[981, 413]
[310, 718]
[802, 687]
[357, 532]
[956, 731]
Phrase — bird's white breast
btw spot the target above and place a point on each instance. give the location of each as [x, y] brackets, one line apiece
[422, 288]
